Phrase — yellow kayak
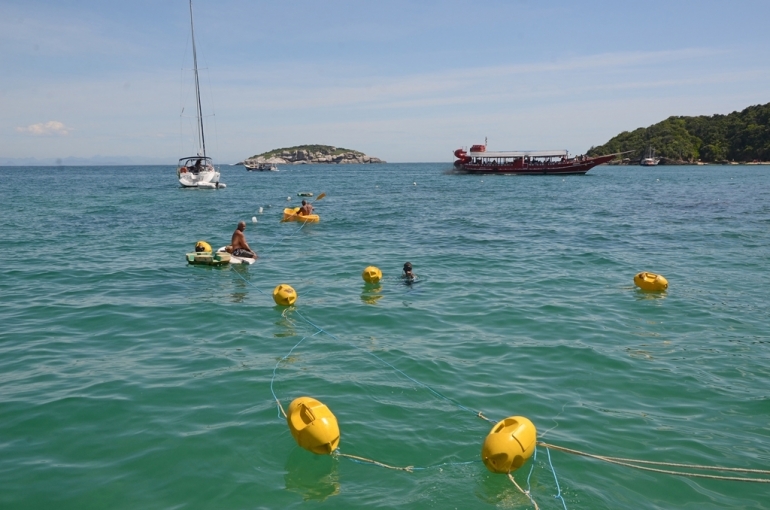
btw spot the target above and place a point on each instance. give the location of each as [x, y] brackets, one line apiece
[290, 214]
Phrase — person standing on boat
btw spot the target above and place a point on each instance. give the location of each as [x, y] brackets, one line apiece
[240, 247]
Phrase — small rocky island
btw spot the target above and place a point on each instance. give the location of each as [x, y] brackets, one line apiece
[311, 154]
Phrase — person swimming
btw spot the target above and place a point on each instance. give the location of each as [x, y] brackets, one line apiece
[408, 273]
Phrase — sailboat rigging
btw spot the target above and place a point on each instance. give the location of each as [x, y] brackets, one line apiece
[197, 171]
[649, 159]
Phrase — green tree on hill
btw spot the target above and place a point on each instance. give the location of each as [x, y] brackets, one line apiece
[739, 136]
[327, 150]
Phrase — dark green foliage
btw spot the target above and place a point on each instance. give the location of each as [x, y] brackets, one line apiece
[739, 136]
[326, 150]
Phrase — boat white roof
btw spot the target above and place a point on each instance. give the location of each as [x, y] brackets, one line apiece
[518, 154]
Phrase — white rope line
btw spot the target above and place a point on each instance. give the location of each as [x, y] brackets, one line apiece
[409, 469]
[634, 464]
[526, 493]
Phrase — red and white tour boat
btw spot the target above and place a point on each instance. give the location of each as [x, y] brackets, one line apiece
[480, 161]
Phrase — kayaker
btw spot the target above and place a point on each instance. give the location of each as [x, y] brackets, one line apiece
[306, 209]
[240, 247]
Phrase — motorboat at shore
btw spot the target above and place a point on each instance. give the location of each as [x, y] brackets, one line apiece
[260, 167]
[554, 162]
[197, 171]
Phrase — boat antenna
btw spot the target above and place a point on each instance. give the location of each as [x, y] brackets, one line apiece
[201, 138]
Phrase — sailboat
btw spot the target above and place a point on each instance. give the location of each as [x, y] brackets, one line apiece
[649, 159]
[197, 171]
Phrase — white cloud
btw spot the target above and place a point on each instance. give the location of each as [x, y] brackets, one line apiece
[52, 127]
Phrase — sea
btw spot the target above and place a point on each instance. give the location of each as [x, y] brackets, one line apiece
[130, 379]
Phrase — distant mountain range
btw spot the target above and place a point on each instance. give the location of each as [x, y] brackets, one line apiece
[739, 136]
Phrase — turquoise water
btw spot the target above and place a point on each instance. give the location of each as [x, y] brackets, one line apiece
[131, 380]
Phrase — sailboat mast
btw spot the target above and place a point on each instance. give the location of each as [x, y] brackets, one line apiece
[201, 138]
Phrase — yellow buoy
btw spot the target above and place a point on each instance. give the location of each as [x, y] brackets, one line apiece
[284, 295]
[313, 426]
[509, 444]
[202, 246]
[372, 274]
[650, 281]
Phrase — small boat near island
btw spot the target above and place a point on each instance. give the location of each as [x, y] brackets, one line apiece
[197, 171]
[554, 162]
[260, 167]
[649, 159]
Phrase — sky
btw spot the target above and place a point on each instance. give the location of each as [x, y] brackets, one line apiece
[405, 81]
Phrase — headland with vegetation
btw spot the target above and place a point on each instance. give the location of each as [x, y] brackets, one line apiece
[739, 137]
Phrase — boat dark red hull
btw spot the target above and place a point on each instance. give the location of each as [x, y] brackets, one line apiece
[571, 166]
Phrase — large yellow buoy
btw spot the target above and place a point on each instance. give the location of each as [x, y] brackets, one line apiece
[313, 426]
[284, 295]
[202, 246]
[650, 281]
[372, 274]
[509, 444]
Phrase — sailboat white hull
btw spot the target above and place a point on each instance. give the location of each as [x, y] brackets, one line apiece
[200, 180]
[197, 171]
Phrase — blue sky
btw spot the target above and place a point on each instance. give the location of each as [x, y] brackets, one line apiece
[403, 81]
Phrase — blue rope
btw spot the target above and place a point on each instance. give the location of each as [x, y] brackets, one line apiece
[532, 468]
[284, 237]
[245, 280]
[320, 329]
[272, 380]
[564, 503]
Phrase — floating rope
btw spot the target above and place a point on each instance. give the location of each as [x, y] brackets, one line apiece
[558, 487]
[632, 463]
[245, 280]
[478, 414]
[526, 493]
[272, 380]
[284, 237]
[409, 469]
[337, 453]
[531, 469]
